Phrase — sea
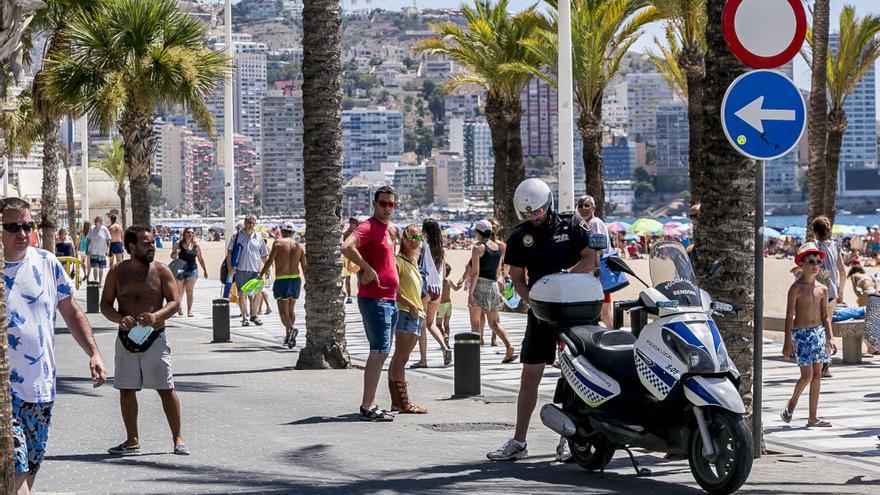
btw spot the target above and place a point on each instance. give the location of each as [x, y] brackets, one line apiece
[782, 221]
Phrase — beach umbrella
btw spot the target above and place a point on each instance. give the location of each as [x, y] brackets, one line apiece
[795, 231]
[646, 226]
[451, 232]
[838, 229]
[631, 237]
[618, 227]
[686, 227]
[671, 232]
[672, 225]
[770, 232]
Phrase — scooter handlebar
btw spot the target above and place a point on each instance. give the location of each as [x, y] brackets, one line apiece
[628, 305]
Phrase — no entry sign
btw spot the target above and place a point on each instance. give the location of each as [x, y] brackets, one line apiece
[764, 34]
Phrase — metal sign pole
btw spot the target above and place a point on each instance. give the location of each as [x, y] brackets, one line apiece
[758, 338]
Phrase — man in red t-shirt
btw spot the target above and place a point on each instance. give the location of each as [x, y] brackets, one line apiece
[371, 246]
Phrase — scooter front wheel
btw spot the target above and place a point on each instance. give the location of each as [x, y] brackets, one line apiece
[729, 467]
[590, 456]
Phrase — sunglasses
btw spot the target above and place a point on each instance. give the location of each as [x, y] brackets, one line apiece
[813, 261]
[386, 204]
[14, 228]
[414, 238]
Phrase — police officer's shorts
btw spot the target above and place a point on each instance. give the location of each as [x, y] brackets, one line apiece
[540, 342]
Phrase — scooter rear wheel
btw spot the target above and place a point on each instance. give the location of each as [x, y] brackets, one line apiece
[590, 456]
[734, 452]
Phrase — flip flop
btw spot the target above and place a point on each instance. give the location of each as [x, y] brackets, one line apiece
[819, 424]
[509, 359]
[418, 365]
[786, 414]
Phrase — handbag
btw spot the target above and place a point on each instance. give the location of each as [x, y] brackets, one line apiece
[177, 265]
[611, 281]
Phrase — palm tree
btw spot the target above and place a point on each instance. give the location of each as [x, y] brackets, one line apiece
[126, 58]
[322, 173]
[683, 55]
[17, 15]
[728, 205]
[490, 40]
[602, 31]
[817, 120]
[858, 50]
[113, 164]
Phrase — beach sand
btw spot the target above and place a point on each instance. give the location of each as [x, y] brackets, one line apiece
[777, 278]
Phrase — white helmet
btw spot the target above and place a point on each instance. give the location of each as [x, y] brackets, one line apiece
[531, 195]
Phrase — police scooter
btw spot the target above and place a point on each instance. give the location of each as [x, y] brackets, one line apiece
[667, 387]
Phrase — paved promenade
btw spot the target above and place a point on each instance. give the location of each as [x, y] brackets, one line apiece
[257, 426]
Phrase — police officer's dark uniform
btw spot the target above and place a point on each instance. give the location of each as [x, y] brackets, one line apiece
[553, 246]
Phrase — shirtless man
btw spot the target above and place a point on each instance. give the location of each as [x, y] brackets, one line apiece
[290, 264]
[116, 248]
[808, 331]
[145, 295]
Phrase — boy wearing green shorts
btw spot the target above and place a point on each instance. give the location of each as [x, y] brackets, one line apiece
[444, 311]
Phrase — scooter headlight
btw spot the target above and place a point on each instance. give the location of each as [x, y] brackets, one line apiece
[697, 359]
[724, 361]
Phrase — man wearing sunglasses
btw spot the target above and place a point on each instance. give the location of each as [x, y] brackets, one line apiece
[586, 209]
[36, 285]
[544, 243]
[98, 246]
[371, 246]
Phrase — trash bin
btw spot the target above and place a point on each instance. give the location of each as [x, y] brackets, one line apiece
[93, 297]
[467, 364]
[220, 317]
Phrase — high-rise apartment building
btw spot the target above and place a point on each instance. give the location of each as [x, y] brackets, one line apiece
[539, 120]
[282, 187]
[672, 134]
[780, 175]
[619, 160]
[175, 154]
[448, 179]
[370, 136]
[645, 94]
[479, 159]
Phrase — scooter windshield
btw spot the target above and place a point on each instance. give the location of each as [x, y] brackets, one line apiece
[672, 273]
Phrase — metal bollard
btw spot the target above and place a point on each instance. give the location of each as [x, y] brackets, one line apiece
[93, 297]
[220, 317]
[467, 364]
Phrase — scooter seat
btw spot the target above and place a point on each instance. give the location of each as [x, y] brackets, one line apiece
[609, 350]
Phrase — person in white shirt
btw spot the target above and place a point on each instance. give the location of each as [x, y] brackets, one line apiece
[98, 246]
[586, 208]
[246, 253]
[36, 286]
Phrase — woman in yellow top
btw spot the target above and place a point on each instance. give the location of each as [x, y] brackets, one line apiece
[410, 316]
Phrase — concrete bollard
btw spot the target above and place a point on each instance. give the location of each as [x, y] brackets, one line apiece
[220, 317]
[93, 297]
[467, 364]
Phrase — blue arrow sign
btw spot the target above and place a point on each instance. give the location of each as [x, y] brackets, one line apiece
[763, 114]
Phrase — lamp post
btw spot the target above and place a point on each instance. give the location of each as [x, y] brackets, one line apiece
[228, 149]
[566, 112]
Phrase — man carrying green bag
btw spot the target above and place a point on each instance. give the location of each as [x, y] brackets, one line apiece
[252, 253]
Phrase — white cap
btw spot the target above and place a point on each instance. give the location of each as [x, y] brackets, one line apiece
[483, 226]
[288, 227]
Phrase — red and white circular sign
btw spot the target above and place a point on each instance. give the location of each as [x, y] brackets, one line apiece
[764, 34]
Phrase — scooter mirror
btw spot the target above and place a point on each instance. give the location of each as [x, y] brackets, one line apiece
[615, 264]
[716, 270]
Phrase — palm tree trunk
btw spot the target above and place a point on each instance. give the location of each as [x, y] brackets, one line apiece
[516, 172]
[590, 127]
[322, 155]
[7, 466]
[140, 141]
[818, 118]
[502, 196]
[68, 193]
[121, 193]
[49, 200]
[727, 216]
[693, 65]
[836, 128]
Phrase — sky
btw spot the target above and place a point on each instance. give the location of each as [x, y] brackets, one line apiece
[801, 70]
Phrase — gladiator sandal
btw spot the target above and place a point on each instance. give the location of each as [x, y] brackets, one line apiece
[404, 406]
[395, 396]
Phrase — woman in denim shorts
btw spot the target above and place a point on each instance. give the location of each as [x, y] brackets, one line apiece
[411, 315]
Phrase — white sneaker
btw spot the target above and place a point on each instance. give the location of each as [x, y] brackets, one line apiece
[511, 450]
[563, 453]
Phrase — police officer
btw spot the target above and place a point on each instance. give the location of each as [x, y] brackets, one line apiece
[544, 243]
